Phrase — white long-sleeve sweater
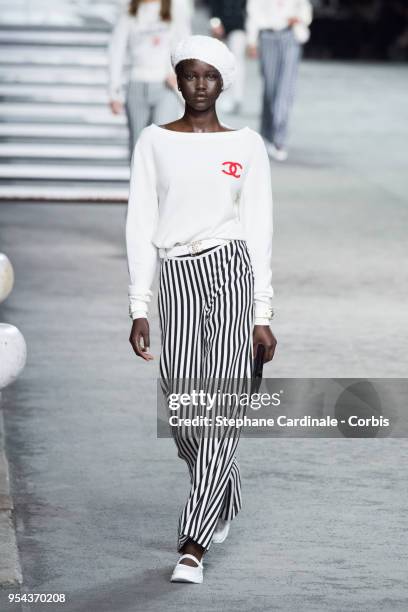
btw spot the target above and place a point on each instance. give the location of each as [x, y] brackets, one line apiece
[274, 14]
[145, 41]
[188, 186]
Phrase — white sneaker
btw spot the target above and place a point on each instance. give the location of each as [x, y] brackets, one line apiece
[275, 153]
[188, 573]
[221, 531]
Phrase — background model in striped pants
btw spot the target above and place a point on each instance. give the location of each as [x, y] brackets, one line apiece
[142, 37]
[280, 27]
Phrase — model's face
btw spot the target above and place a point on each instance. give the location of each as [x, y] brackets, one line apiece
[200, 83]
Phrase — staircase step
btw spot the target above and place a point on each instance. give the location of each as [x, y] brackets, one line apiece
[63, 172]
[65, 193]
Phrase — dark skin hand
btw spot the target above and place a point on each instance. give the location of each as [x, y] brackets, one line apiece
[262, 334]
[200, 85]
[140, 338]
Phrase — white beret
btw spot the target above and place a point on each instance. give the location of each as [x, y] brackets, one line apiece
[209, 50]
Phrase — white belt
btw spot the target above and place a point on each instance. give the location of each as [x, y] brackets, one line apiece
[191, 248]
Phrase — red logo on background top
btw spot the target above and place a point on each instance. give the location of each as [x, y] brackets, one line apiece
[156, 40]
[233, 168]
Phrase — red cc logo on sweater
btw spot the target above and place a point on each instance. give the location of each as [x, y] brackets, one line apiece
[233, 168]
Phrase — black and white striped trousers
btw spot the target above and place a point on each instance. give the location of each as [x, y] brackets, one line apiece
[279, 54]
[206, 322]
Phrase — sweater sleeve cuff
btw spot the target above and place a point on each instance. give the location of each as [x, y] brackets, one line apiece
[137, 310]
[116, 93]
[260, 321]
[263, 310]
[138, 302]
[137, 314]
[253, 39]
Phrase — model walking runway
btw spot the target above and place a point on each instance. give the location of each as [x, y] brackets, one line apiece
[200, 201]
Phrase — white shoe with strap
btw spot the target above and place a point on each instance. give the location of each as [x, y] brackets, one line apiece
[188, 573]
[221, 531]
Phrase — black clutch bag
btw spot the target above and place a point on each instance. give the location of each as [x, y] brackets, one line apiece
[257, 368]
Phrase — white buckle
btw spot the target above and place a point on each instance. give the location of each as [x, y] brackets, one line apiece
[194, 247]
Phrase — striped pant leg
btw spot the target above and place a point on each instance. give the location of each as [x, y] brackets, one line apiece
[137, 111]
[285, 90]
[279, 53]
[269, 56]
[206, 321]
[167, 105]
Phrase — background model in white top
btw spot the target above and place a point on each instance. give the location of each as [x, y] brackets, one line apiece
[274, 14]
[187, 186]
[146, 41]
